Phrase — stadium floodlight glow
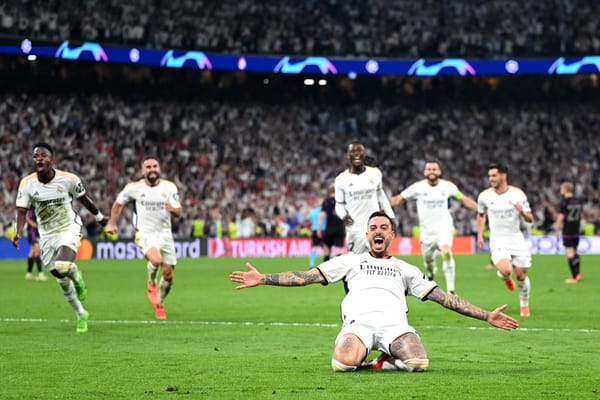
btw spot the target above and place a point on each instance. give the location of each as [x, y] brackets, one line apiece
[309, 82]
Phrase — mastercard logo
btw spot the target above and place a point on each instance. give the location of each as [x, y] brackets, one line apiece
[85, 251]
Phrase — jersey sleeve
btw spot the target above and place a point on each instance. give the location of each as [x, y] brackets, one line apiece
[78, 190]
[174, 197]
[23, 200]
[418, 285]
[340, 199]
[409, 192]
[481, 206]
[124, 196]
[336, 268]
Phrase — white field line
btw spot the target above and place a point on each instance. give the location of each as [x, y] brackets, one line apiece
[254, 323]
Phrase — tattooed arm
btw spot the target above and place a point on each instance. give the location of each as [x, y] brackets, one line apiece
[291, 278]
[495, 318]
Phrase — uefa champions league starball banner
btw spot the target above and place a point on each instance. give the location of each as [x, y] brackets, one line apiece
[296, 64]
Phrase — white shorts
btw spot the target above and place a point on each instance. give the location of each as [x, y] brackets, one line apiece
[357, 242]
[374, 332]
[50, 244]
[432, 243]
[162, 241]
[518, 258]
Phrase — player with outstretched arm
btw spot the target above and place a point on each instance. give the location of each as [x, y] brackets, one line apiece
[374, 310]
[51, 193]
[156, 201]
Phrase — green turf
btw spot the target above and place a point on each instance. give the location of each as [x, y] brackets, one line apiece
[266, 342]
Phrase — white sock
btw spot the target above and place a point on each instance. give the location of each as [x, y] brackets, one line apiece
[524, 289]
[163, 290]
[431, 269]
[69, 291]
[73, 273]
[152, 272]
[449, 272]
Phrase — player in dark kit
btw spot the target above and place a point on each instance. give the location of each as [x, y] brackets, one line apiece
[335, 231]
[569, 222]
[33, 238]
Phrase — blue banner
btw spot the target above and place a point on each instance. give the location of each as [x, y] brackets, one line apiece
[7, 251]
[96, 52]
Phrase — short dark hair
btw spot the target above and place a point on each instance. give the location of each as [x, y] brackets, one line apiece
[149, 157]
[45, 146]
[433, 161]
[382, 214]
[356, 142]
[503, 169]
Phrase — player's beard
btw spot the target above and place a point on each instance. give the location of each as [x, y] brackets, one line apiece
[152, 178]
[433, 178]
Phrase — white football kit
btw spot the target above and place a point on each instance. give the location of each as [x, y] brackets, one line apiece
[435, 221]
[360, 195]
[375, 305]
[150, 218]
[58, 223]
[506, 237]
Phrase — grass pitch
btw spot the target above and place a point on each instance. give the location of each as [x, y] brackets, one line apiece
[276, 343]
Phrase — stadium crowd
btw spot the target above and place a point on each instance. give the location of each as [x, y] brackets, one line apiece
[384, 28]
[244, 154]
[268, 164]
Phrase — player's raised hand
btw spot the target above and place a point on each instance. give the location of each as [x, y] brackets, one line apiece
[348, 221]
[111, 227]
[15, 240]
[500, 320]
[247, 279]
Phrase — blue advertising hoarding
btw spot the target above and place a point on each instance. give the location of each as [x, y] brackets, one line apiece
[313, 65]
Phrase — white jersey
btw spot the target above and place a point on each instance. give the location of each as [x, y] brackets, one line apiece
[503, 218]
[149, 212]
[52, 201]
[360, 195]
[432, 205]
[376, 287]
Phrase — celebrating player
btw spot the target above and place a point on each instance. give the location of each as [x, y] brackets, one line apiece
[335, 232]
[504, 206]
[156, 201]
[51, 192]
[374, 311]
[358, 193]
[435, 221]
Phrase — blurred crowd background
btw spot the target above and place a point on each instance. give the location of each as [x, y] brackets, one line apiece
[384, 28]
[257, 151]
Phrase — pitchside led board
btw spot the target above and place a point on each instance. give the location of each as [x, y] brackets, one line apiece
[310, 65]
[280, 247]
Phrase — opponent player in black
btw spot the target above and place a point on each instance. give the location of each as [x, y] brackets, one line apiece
[569, 222]
[335, 231]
